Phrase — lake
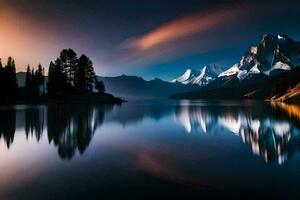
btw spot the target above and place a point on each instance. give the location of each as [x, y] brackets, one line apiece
[151, 149]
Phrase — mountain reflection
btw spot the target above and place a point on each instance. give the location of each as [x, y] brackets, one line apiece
[266, 129]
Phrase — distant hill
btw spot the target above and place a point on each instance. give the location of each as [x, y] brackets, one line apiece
[21, 77]
[133, 87]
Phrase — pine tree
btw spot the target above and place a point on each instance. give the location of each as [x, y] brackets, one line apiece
[51, 74]
[68, 61]
[40, 77]
[57, 79]
[85, 75]
[10, 79]
[1, 77]
[28, 80]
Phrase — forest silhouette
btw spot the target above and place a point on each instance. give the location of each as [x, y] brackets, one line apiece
[70, 79]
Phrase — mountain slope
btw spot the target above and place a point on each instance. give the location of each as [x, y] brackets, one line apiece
[273, 55]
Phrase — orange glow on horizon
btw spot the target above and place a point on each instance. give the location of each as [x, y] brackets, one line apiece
[27, 41]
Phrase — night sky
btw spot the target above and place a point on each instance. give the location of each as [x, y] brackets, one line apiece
[145, 38]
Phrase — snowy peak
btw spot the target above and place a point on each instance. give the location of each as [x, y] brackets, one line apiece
[188, 77]
[202, 77]
[272, 55]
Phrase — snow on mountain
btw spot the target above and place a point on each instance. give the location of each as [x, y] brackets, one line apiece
[231, 71]
[279, 53]
[279, 65]
[202, 77]
[188, 77]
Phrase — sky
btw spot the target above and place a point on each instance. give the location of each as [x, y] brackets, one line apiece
[148, 38]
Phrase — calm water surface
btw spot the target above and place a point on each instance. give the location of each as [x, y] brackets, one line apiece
[178, 149]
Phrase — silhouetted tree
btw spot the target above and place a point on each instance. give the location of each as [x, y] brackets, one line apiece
[28, 80]
[40, 77]
[69, 76]
[1, 78]
[68, 61]
[57, 80]
[10, 85]
[84, 74]
[33, 83]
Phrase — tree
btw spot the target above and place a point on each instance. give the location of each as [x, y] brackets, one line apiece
[100, 87]
[28, 80]
[84, 74]
[32, 84]
[1, 77]
[81, 76]
[68, 61]
[57, 80]
[40, 77]
[68, 75]
[10, 80]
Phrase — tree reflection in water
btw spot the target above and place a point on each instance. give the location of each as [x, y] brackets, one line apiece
[7, 126]
[34, 122]
[71, 128]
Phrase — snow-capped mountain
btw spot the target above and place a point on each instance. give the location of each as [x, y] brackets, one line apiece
[267, 71]
[273, 55]
[202, 77]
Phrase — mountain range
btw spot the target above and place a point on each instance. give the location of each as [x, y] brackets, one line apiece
[202, 77]
[268, 70]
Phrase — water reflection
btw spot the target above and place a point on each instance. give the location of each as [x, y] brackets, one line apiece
[270, 130]
[69, 128]
[7, 126]
[72, 128]
[34, 122]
